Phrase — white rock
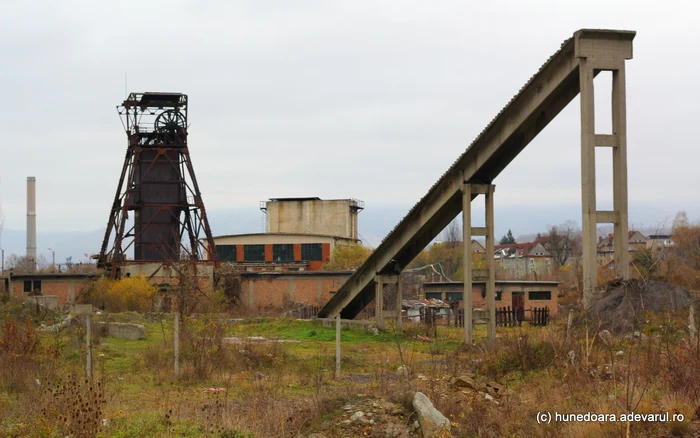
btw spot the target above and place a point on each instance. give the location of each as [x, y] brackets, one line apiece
[431, 421]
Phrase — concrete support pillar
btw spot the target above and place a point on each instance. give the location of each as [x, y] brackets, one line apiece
[399, 303]
[619, 122]
[618, 142]
[490, 265]
[467, 258]
[588, 195]
[468, 190]
[379, 301]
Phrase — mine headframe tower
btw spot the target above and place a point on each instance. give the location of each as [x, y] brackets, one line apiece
[158, 187]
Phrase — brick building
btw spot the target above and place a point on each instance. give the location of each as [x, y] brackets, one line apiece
[273, 289]
[278, 251]
[65, 286]
[513, 293]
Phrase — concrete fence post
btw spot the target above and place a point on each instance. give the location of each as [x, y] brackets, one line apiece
[569, 324]
[88, 341]
[691, 324]
[337, 346]
[176, 344]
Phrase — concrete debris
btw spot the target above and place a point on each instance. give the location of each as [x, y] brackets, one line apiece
[122, 330]
[432, 422]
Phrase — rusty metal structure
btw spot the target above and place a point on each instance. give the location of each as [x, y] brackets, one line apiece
[157, 187]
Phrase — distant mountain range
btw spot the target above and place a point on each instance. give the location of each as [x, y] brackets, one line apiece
[374, 223]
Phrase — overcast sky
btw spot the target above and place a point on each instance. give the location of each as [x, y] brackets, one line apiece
[365, 99]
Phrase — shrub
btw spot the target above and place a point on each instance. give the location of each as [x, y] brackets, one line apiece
[127, 294]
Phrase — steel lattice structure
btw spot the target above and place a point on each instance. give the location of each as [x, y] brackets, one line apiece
[158, 186]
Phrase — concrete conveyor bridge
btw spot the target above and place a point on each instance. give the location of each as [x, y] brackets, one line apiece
[563, 76]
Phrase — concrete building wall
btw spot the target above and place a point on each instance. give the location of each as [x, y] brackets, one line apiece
[268, 290]
[337, 217]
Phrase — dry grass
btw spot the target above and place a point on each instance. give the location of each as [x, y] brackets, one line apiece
[276, 389]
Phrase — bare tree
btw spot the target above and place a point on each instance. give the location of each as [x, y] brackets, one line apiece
[563, 241]
[452, 234]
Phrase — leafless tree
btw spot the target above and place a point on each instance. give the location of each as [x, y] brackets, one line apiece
[452, 234]
[563, 241]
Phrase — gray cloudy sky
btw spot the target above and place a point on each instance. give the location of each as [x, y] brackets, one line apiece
[365, 98]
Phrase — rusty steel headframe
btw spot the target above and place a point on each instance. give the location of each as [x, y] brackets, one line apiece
[158, 185]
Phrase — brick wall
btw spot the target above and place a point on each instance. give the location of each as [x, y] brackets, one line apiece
[274, 290]
[65, 289]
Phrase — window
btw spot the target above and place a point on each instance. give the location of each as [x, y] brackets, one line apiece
[433, 295]
[27, 285]
[311, 251]
[283, 253]
[37, 285]
[455, 296]
[226, 253]
[498, 294]
[544, 295]
[254, 253]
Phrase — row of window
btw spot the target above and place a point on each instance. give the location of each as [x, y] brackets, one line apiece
[456, 296]
[29, 283]
[280, 252]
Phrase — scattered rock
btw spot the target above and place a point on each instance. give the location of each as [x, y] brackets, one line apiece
[495, 388]
[357, 416]
[432, 422]
[620, 353]
[605, 336]
[403, 371]
[465, 382]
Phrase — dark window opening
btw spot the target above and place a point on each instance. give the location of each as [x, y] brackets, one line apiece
[498, 294]
[283, 253]
[27, 285]
[544, 295]
[433, 295]
[37, 285]
[254, 253]
[311, 251]
[226, 253]
[455, 296]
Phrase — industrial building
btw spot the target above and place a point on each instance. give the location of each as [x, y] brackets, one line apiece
[301, 235]
[278, 251]
[333, 217]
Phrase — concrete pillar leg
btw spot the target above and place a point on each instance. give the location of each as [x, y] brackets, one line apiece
[379, 301]
[399, 303]
[467, 258]
[588, 195]
[619, 122]
[490, 265]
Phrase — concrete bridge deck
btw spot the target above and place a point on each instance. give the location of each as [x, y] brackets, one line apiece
[542, 98]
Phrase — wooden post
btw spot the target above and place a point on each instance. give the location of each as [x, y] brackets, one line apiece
[337, 346]
[569, 324]
[176, 344]
[88, 340]
[467, 258]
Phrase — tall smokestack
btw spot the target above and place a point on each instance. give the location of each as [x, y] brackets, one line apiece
[31, 223]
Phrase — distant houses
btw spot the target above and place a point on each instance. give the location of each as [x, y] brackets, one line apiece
[530, 260]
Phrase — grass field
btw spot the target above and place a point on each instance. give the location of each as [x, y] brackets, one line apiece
[269, 388]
